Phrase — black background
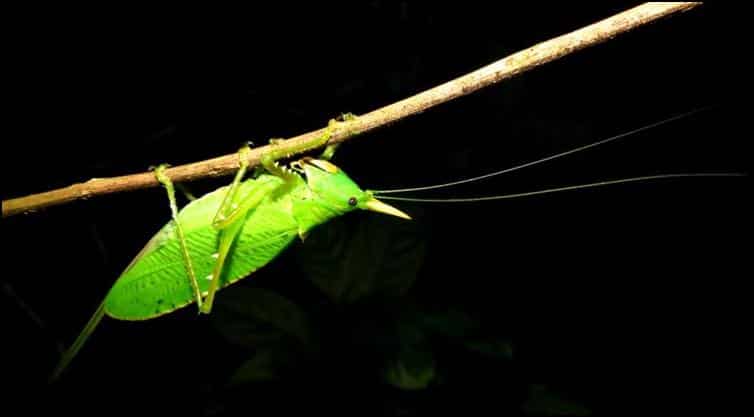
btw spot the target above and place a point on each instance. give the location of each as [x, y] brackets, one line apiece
[620, 298]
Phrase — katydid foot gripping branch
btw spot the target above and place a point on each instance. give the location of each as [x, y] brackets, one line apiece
[229, 233]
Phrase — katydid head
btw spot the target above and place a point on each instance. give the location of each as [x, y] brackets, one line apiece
[333, 186]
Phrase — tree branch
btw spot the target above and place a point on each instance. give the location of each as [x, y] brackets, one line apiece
[508, 67]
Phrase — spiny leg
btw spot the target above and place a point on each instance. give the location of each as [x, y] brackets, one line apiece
[225, 222]
[226, 240]
[164, 180]
[229, 229]
[231, 195]
[230, 217]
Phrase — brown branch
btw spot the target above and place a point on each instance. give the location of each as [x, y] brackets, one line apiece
[508, 67]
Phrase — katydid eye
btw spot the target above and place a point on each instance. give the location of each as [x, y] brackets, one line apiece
[352, 201]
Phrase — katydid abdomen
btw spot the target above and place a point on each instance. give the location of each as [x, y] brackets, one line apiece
[155, 283]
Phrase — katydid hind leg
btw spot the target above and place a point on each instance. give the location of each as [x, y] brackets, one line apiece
[168, 184]
[229, 220]
[229, 204]
[229, 227]
[227, 236]
[233, 211]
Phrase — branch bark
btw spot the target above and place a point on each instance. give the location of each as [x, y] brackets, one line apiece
[505, 68]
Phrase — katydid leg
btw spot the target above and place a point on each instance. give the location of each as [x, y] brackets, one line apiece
[231, 216]
[329, 151]
[165, 181]
[231, 195]
[229, 227]
[227, 236]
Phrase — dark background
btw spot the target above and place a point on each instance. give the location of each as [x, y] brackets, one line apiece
[615, 299]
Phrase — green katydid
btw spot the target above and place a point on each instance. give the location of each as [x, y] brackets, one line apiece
[231, 232]
[190, 259]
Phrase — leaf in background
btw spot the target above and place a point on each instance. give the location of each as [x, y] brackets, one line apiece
[258, 368]
[544, 402]
[252, 316]
[497, 348]
[267, 364]
[413, 369]
[453, 324]
[363, 255]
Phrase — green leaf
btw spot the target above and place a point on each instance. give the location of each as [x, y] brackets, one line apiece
[497, 348]
[363, 255]
[266, 365]
[413, 369]
[253, 316]
[453, 324]
[544, 402]
[259, 368]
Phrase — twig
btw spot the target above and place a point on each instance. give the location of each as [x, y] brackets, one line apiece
[508, 67]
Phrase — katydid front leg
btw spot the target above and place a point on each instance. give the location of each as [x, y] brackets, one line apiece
[329, 151]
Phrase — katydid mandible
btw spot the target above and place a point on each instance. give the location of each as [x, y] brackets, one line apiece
[190, 258]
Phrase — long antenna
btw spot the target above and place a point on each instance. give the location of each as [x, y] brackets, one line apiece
[559, 189]
[548, 158]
